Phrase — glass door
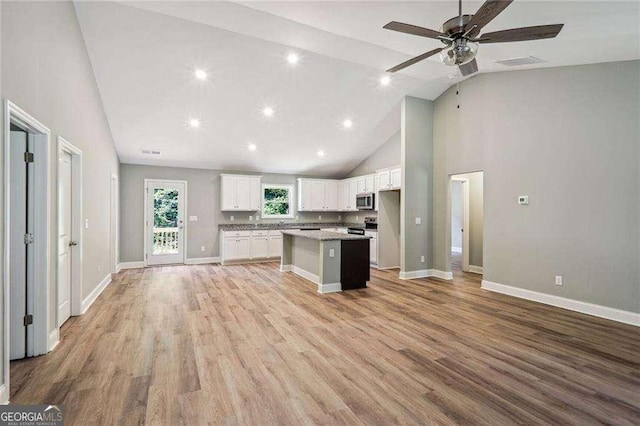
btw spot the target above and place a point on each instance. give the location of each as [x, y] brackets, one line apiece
[165, 222]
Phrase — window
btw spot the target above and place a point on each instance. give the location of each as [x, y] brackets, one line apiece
[277, 201]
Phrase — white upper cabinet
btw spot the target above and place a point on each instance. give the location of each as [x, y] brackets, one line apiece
[347, 191]
[366, 184]
[240, 193]
[389, 179]
[317, 195]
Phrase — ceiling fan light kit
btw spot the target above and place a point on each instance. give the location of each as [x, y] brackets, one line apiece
[460, 36]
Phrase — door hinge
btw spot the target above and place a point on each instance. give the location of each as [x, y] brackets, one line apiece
[28, 238]
[28, 320]
[28, 157]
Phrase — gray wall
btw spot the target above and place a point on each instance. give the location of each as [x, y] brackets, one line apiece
[416, 198]
[569, 138]
[2, 295]
[203, 201]
[46, 71]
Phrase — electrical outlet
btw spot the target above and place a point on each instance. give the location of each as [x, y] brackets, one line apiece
[99, 268]
[250, 217]
[319, 217]
[257, 217]
[86, 224]
[422, 259]
[332, 253]
[558, 279]
[231, 218]
[193, 218]
[357, 218]
[202, 248]
[339, 217]
[418, 221]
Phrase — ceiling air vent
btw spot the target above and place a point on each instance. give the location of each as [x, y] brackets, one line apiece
[525, 60]
[150, 152]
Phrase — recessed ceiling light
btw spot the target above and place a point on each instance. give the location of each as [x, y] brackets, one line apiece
[201, 75]
[347, 124]
[385, 80]
[268, 111]
[292, 58]
[320, 153]
[194, 123]
[252, 147]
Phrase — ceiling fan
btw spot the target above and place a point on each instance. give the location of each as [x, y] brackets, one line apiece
[460, 36]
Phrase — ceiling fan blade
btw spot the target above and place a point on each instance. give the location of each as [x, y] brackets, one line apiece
[414, 60]
[469, 68]
[522, 34]
[413, 29]
[487, 12]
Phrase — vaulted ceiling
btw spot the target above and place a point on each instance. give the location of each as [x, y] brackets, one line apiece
[144, 55]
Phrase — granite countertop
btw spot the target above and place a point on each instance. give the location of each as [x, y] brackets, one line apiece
[276, 226]
[323, 235]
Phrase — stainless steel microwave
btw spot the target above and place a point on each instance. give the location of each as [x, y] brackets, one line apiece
[365, 201]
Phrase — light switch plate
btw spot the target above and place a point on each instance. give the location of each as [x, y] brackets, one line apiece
[231, 218]
[332, 253]
[202, 248]
[250, 217]
[558, 279]
[193, 218]
[418, 221]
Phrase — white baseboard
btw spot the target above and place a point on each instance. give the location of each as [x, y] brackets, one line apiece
[201, 260]
[475, 269]
[286, 268]
[54, 339]
[614, 314]
[456, 249]
[329, 288]
[425, 273]
[4, 395]
[130, 265]
[88, 301]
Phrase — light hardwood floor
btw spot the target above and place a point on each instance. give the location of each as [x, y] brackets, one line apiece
[250, 345]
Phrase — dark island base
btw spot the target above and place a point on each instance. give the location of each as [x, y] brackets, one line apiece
[354, 264]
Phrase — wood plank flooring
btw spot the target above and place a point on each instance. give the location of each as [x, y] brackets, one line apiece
[247, 344]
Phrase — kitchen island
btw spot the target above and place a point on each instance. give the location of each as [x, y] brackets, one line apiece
[332, 260]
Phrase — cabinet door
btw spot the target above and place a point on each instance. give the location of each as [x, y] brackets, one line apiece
[243, 193]
[331, 195]
[343, 195]
[259, 247]
[369, 184]
[361, 181]
[373, 250]
[353, 192]
[275, 246]
[304, 195]
[256, 194]
[243, 248]
[396, 178]
[230, 248]
[317, 195]
[228, 193]
[384, 180]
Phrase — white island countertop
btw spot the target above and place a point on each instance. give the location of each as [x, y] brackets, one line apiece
[323, 235]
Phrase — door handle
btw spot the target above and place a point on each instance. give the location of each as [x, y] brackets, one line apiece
[72, 243]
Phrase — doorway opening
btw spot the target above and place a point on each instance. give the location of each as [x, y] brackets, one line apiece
[30, 327]
[70, 244]
[467, 217]
[165, 231]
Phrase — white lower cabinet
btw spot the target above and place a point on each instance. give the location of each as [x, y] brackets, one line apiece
[246, 245]
[275, 246]
[259, 247]
[373, 247]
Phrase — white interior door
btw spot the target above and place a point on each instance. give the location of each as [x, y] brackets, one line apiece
[17, 231]
[65, 240]
[165, 207]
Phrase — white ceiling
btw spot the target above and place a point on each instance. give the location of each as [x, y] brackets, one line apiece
[144, 54]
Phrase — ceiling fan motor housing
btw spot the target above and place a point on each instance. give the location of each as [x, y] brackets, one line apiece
[455, 26]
